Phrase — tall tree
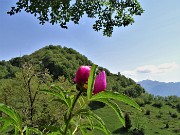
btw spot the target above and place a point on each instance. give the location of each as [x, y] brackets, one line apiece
[107, 13]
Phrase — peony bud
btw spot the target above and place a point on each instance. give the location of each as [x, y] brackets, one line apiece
[82, 74]
[100, 83]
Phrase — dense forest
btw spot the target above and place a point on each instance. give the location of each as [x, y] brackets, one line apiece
[21, 78]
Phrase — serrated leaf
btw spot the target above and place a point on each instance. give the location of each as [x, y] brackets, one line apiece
[115, 96]
[91, 81]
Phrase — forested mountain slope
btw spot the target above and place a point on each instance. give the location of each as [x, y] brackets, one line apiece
[63, 61]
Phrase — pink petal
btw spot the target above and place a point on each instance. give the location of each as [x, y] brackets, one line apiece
[82, 74]
[100, 83]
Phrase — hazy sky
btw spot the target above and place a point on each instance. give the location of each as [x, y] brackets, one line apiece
[148, 49]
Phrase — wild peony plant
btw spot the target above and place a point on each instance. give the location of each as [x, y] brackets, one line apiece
[79, 117]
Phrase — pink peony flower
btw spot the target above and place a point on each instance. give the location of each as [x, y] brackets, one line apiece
[82, 74]
[100, 83]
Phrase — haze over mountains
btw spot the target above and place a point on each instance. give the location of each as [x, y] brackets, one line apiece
[161, 88]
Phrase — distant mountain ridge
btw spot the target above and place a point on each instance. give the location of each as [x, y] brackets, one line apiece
[161, 88]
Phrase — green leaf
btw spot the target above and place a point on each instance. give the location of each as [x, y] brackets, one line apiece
[54, 129]
[16, 132]
[101, 122]
[115, 107]
[34, 130]
[59, 100]
[16, 119]
[7, 122]
[91, 81]
[54, 133]
[63, 98]
[115, 96]
[83, 130]
[85, 127]
[81, 111]
[91, 115]
[91, 123]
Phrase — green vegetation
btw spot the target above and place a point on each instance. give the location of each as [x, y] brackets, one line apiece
[21, 79]
[107, 14]
[158, 121]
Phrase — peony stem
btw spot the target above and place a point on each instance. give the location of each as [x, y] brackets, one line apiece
[71, 110]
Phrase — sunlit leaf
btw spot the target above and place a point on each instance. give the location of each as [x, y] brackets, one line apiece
[16, 119]
[91, 81]
[5, 124]
[115, 96]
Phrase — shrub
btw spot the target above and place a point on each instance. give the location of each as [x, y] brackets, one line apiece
[147, 112]
[139, 126]
[178, 107]
[158, 104]
[127, 122]
[174, 115]
[148, 98]
[167, 125]
[138, 131]
[140, 101]
[160, 114]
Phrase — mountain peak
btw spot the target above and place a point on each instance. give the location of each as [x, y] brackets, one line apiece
[161, 88]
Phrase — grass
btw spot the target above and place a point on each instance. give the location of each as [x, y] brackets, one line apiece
[153, 124]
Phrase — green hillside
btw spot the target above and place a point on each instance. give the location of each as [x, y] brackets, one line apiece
[21, 78]
[63, 61]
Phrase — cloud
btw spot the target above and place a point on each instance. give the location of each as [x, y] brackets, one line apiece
[152, 69]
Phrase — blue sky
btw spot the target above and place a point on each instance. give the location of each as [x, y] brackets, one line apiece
[148, 49]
